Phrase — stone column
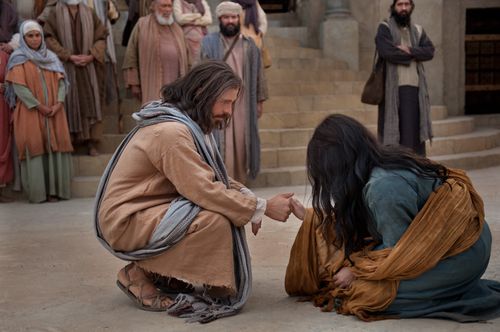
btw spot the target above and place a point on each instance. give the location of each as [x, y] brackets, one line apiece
[339, 33]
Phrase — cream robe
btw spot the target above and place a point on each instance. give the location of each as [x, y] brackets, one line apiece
[158, 165]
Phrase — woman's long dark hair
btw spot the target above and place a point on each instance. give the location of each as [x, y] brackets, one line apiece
[340, 158]
[197, 91]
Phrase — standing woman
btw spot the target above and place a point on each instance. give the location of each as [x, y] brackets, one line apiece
[37, 78]
[253, 21]
[193, 16]
[391, 234]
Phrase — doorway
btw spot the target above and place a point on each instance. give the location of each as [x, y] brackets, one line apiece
[482, 61]
[277, 6]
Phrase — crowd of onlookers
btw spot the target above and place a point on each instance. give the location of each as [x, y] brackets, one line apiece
[58, 69]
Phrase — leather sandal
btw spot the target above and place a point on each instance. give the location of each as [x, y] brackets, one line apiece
[157, 299]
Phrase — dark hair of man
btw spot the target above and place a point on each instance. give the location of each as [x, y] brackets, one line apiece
[340, 158]
[197, 91]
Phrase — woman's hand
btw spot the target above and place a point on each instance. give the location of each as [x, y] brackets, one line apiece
[343, 278]
[44, 109]
[297, 208]
[55, 108]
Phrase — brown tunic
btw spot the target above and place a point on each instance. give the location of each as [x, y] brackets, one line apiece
[29, 125]
[158, 165]
[83, 99]
[235, 154]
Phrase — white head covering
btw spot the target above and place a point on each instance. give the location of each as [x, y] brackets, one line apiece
[31, 25]
[228, 8]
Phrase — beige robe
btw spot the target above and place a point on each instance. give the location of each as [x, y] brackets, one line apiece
[235, 153]
[149, 60]
[158, 165]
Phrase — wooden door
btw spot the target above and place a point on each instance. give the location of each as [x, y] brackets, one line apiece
[482, 61]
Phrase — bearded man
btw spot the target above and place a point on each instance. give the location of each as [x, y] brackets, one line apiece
[404, 115]
[166, 203]
[156, 53]
[239, 142]
[76, 34]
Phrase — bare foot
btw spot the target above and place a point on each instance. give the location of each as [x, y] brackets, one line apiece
[52, 199]
[134, 280]
[92, 150]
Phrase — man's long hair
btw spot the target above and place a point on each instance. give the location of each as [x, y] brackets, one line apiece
[340, 158]
[196, 92]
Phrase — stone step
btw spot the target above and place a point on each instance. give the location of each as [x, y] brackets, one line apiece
[296, 175]
[277, 177]
[478, 140]
[282, 19]
[316, 88]
[297, 33]
[294, 52]
[84, 186]
[471, 160]
[313, 103]
[283, 157]
[303, 120]
[84, 165]
[319, 64]
[276, 41]
[487, 120]
[299, 75]
[285, 138]
[286, 166]
[453, 126]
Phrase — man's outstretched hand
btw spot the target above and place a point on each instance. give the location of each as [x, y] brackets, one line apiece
[278, 207]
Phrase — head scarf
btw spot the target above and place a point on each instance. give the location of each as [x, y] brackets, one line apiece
[228, 8]
[251, 13]
[30, 25]
[199, 6]
[43, 57]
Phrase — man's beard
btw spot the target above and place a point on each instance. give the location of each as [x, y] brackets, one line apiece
[403, 19]
[163, 20]
[72, 2]
[229, 30]
[220, 124]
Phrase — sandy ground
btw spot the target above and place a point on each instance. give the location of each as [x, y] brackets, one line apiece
[55, 276]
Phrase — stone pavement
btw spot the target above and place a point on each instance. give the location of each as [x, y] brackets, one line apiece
[55, 276]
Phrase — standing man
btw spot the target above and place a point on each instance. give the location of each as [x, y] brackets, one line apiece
[166, 203]
[75, 33]
[404, 115]
[156, 53]
[194, 16]
[239, 142]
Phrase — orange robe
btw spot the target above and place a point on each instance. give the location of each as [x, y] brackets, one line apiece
[30, 125]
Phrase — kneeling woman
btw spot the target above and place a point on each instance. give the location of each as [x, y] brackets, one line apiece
[390, 234]
[36, 76]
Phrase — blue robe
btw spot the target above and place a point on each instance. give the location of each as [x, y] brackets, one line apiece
[453, 288]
